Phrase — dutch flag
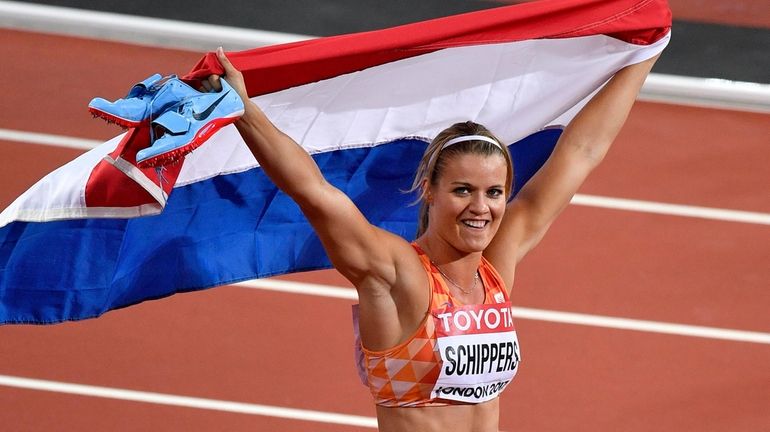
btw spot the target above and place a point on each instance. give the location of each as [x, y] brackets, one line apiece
[100, 233]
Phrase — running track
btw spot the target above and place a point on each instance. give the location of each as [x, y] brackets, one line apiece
[260, 347]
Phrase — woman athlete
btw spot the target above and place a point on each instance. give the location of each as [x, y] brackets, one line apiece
[438, 343]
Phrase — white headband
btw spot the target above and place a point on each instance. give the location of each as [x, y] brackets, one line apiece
[460, 139]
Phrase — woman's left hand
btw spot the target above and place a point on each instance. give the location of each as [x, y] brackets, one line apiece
[233, 76]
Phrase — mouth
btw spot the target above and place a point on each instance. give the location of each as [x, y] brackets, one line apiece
[475, 223]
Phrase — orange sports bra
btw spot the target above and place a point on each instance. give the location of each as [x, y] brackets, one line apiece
[459, 354]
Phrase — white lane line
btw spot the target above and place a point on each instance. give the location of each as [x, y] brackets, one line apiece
[538, 314]
[187, 402]
[725, 215]
[292, 287]
[642, 325]
[47, 139]
[705, 92]
[672, 209]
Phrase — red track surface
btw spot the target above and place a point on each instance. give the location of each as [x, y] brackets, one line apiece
[295, 351]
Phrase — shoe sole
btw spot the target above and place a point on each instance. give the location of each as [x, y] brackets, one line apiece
[113, 119]
[201, 136]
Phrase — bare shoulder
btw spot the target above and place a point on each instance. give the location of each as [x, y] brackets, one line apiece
[398, 270]
[393, 299]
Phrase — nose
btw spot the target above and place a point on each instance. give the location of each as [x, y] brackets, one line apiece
[478, 204]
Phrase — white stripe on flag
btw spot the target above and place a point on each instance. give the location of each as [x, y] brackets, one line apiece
[406, 99]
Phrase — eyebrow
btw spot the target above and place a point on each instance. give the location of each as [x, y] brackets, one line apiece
[457, 183]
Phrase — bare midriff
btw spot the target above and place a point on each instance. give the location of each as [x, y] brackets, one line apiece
[482, 417]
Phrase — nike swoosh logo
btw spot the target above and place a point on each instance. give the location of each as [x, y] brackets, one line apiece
[204, 114]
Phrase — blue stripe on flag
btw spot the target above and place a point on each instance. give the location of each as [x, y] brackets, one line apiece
[218, 231]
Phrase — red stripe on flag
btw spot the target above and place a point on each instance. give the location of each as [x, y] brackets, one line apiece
[275, 68]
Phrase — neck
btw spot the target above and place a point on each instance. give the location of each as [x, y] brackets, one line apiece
[459, 265]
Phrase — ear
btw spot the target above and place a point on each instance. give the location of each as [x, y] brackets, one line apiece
[426, 191]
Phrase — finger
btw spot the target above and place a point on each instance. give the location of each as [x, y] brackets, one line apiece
[229, 68]
[234, 76]
[205, 86]
[214, 82]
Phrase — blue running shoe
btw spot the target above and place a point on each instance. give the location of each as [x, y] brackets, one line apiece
[189, 124]
[145, 101]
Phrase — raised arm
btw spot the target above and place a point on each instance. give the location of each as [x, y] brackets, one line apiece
[363, 253]
[582, 146]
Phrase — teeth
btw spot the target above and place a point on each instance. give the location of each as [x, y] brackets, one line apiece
[475, 223]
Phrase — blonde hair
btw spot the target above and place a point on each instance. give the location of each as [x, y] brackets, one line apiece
[436, 157]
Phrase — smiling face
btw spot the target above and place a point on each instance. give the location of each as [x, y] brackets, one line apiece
[467, 201]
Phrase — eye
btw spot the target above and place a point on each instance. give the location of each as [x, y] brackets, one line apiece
[495, 193]
[462, 190]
